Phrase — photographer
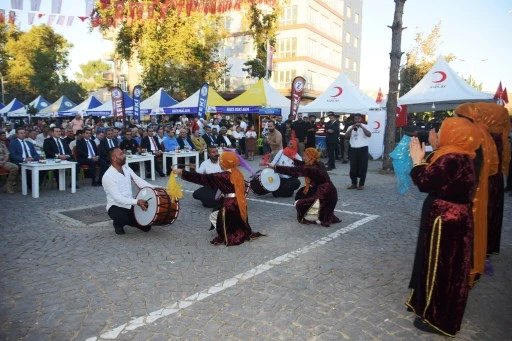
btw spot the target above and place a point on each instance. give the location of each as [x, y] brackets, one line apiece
[359, 136]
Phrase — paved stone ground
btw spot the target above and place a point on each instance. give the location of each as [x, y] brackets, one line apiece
[62, 279]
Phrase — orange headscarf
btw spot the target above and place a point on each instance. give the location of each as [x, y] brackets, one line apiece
[229, 162]
[480, 201]
[313, 156]
[457, 135]
[498, 122]
[291, 151]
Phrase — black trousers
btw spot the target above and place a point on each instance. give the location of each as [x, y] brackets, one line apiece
[91, 172]
[122, 216]
[287, 187]
[207, 197]
[358, 165]
[331, 154]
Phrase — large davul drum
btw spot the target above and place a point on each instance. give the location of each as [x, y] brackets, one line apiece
[161, 210]
[265, 181]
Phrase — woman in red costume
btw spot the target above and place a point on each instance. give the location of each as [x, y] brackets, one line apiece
[317, 200]
[440, 276]
[232, 222]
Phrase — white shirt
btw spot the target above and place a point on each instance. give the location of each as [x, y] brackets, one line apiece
[40, 140]
[358, 139]
[226, 140]
[282, 160]
[243, 125]
[208, 167]
[118, 187]
[251, 134]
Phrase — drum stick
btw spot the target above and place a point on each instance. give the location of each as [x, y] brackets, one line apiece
[149, 199]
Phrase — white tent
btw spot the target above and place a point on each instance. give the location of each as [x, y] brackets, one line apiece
[342, 96]
[90, 103]
[14, 109]
[441, 89]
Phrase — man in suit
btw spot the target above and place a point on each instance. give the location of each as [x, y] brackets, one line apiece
[209, 138]
[106, 144]
[87, 154]
[56, 148]
[184, 140]
[151, 144]
[332, 135]
[23, 151]
[224, 139]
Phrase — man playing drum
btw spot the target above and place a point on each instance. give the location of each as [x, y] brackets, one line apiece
[285, 157]
[207, 194]
[117, 183]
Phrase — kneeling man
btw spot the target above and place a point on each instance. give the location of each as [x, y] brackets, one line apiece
[285, 157]
[207, 194]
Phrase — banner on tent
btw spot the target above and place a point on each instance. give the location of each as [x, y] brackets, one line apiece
[377, 125]
[137, 94]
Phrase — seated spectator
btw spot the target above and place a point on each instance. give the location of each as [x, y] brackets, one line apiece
[223, 140]
[87, 154]
[199, 143]
[170, 142]
[8, 166]
[151, 144]
[129, 143]
[184, 140]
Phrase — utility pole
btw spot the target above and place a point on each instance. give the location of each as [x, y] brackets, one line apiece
[3, 91]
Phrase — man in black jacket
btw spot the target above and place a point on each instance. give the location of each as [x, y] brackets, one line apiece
[208, 137]
[151, 144]
[87, 154]
[301, 130]
[332, 134]
[108, 143]
[56, 148]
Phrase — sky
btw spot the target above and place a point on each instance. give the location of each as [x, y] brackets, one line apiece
[477, 32]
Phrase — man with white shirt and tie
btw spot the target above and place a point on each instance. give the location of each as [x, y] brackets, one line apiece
[208, 137]
[56, 148]
[87, 154]
[108, 143]
[151, 144]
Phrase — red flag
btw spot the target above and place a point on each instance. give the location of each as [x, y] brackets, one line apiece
[379, 97]
[499, 92]
[505, 95]
[401, 115]
[298, 85]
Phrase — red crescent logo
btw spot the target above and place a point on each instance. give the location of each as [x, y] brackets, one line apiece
[443, 77]
[378, 125]
[339, 92]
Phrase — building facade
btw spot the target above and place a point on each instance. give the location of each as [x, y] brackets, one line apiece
[315, 39]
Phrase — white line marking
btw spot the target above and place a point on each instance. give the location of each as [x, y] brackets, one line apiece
[216, 288]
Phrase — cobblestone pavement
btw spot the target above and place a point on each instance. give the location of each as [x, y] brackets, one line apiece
[66, 280]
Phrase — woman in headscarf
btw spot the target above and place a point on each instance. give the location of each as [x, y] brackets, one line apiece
[231, 221]
[286, 157]
[440, 276]
[317, 200]
[496, 118]
[486, 165]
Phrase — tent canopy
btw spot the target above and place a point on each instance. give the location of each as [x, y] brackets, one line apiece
[62, 104]
[90, 103]
[189, 105]
[15, 107]
[158, 100]
[342, 96]
[443, 88]
[39, 103]
[261, 94]
[106, 108]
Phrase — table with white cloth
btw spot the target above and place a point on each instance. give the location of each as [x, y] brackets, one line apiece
[36, 167]
[175, 156]
[141, 159]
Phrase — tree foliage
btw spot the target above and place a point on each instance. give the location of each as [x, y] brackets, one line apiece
[178, 54]
[421, 58]
[471, 81]
[262, 28]
[90, 76]
[33, 62]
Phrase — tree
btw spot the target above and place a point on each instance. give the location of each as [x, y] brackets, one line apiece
[262, 28]
[471, 81]
[395, 56]
[178, 53]
[421, 59]
[90, 76]
[35, 62]
[72, 90]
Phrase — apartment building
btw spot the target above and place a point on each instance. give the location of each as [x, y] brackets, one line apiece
[316, 39]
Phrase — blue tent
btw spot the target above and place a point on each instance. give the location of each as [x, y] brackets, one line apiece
[106, 108]
[14, 105]
[39, 103]
[1, 105]
[90, 103]
[62, 104]
[158, 100]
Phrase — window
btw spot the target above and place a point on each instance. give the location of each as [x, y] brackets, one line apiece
[337, 31]
[312, 48]
[284, 78]
[356, 18]
[289, 16]
[354, 66]
[356, 42]
[314, 17]
[349, 11]
[286, 47]
[347, 37]
[347, 63]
